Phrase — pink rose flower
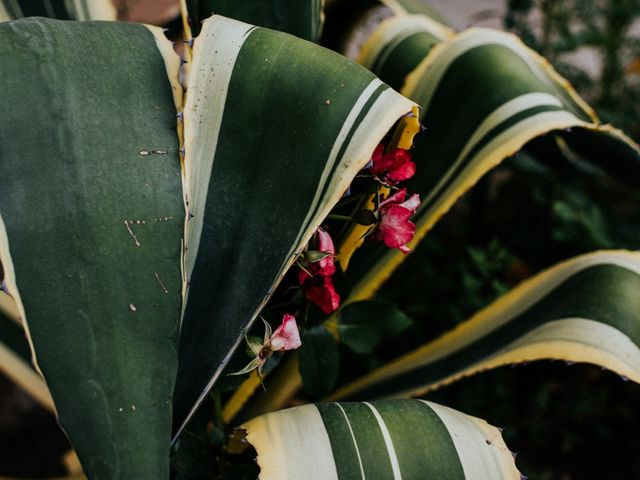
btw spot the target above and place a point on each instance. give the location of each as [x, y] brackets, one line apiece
[392, 167]
[325, 267]
[394, 227]
[286, 336]
[320, 291]
[315, 276]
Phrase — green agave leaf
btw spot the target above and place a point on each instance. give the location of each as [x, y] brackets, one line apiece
[485, 95]
[583, 310]
[118, 220]
[275, 128]
[400, 44]
[90, 230]
[60, 9]
[302, 18]
[401, 439]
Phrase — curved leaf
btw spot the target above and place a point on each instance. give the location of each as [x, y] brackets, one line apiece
[275, 130]
[90, 195]
[583, 310]
[302, 18]
[408, 439]
[400, 44]
[60, 9]
[485, 96]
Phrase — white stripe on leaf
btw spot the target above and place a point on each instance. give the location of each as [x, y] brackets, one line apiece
[329, 165]
[573, 340]
[481, 449]
[499, 115]
[510, 306]
[355, 442]
[393, 458]
[424, 80]
[205, 104]
[292, 444]
[394, 30]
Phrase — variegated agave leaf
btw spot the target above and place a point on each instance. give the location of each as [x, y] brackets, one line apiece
[583, 310]
[408, 439]
[302, 18]
[128, 218]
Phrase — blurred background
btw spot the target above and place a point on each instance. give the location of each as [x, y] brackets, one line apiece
[566, 422]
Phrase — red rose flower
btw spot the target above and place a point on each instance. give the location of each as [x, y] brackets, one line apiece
[320, 291]
[394, 227]
[392, 167]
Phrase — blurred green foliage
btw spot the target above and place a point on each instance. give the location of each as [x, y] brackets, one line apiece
[605, 32]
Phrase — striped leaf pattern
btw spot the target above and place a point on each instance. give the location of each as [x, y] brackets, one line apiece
[401, 439]
[583, 310]
[60, 9]
[484, 95]
[400, 44]
[302, 18]
[275, 130]
[90, 236]
[149, 234]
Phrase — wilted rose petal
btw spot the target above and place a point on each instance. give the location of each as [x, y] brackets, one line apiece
[286, 336]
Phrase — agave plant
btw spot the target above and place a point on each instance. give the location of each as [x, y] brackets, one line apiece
[170, 196]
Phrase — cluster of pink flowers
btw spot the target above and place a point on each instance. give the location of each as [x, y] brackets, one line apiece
[392, 227]
[390, 224]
